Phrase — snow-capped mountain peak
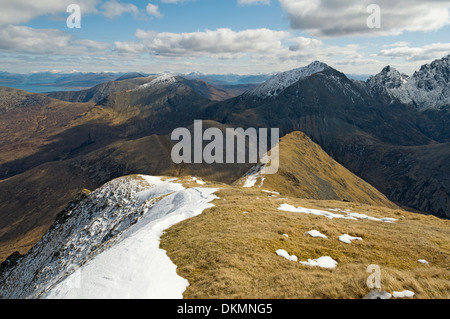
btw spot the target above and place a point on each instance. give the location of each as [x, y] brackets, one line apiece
[388, 78]
[281, 81]
[165, 79]
[428, 88]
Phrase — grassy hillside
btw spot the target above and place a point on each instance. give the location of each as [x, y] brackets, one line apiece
[229, 250]
[306, 171]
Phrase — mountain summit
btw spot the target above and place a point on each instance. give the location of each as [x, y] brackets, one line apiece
[428, 88]
[275, 85]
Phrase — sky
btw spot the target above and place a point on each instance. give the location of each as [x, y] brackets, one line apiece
[222, 36]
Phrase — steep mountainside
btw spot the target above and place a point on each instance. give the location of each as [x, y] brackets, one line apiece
[91, 225]
[306, 171]
[130, 82]
[52, 185]
[100, 91]
[428, 88]
[155, 237]
[83, 128]
[52, 149]
[359, 126]
[28, 122]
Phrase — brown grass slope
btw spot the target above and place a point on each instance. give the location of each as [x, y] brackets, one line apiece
[307, 171]
[30, 201]
[229, 251]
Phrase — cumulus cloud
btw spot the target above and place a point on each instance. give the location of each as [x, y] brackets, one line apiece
[263, 49]
[153, 10]
[175, 1]
[424, 53]
[115, 8]
[27, 40]
[223, 43]
[250, 2]
[22, 11]
[340, 18]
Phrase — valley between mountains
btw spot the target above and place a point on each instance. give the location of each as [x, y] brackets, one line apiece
[90, 198]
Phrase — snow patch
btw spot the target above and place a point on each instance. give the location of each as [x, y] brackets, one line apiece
[403, 294]
[135, 267]
[348, 239]
[316, 234]
[198, 181]
[363, 216]
[270, 192]
[323, 262]
[327, 214]
[293, 209]
[283, 253]
[251, 177]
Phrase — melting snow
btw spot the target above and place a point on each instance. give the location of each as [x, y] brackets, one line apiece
[283, 253]
[270, 192]
[293, 209]
[195, 179]
[136, 267]
[362, 216]
[349, 215]
[252, 176]
[403, 294]
[348, 239]
[323, 262]
[316, 234]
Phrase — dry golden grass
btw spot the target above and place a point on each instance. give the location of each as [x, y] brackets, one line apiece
[307, 171]
[225, 253]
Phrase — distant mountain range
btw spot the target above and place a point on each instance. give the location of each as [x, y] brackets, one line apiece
[42, 82]
[377, 128]
[387, 130]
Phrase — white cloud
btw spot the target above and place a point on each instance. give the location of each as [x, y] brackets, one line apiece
[223, 43]
[22, 11]
[260, 50]
[26, 40]
[175, 1]
[340, 18]
[153, 10]
[250, 2]
[424, 53]
[115, 8]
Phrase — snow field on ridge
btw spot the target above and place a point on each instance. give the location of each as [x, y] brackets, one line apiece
[136, 267]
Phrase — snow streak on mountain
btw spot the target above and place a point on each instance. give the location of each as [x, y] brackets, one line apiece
[428, 88]
[279, 82]
[106, 245]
